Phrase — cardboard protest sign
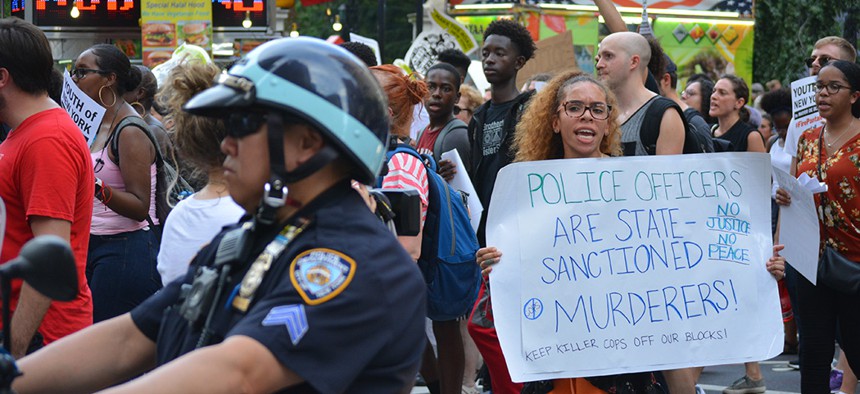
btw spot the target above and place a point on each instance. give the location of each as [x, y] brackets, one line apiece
[633, 264]
[804, 112]
[553, 54]
[84, 111]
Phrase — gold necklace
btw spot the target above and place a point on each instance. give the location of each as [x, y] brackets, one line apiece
[844, 133]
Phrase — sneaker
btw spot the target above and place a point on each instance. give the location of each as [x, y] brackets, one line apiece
[795, 364]
[835, 380]
[745, 385]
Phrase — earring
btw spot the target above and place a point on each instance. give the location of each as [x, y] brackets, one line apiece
[556, 131]
[139, 108]
[102, 100]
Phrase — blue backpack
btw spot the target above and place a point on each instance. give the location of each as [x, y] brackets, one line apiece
[448, 246]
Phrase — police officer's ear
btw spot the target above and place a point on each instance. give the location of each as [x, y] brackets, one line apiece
[308, 141]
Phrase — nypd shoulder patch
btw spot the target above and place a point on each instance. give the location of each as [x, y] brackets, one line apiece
[321, 274]
[291, 316]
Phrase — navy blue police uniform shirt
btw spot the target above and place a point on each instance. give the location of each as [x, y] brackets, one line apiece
[362, 332]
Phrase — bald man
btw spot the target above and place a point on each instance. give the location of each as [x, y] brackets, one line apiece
[622, 63]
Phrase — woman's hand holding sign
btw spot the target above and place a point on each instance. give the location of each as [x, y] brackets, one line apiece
[776, 264]
[782, 197]
[487, 257]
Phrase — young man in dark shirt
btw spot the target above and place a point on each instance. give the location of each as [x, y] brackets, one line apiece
[507, 47]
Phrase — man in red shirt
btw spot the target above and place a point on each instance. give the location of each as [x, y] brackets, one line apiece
[445, 132]
[46, 181]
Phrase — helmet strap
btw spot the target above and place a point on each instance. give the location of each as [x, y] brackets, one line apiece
[275, 195]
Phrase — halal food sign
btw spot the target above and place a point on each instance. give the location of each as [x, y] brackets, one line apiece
[169, 24]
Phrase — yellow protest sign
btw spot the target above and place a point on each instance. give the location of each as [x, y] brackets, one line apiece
[455, 29]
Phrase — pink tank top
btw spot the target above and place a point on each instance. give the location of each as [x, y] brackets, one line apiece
[105, 221]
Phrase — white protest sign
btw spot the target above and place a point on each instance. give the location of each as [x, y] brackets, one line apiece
[633, 264]
[804, 112]
[798, 222]
[373, 44]
[446, 33]
[84, 111]
[423, 51]
[463, 183]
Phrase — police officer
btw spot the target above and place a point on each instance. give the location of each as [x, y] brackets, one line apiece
[311, 293]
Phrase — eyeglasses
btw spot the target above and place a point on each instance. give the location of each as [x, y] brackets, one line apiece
[575, 109]
[244, 123]
[81, 73]
[832, 87]
[457, 110]
[822, 60]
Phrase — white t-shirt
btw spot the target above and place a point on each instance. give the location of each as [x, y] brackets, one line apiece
[191, 225]
[420, 120]
[779, 159]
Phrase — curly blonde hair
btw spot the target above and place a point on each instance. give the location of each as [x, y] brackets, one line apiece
[535, 139]
[474, 97]
[197, 138]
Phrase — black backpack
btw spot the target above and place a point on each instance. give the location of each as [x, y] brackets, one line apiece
[694, 141]
[166, 196]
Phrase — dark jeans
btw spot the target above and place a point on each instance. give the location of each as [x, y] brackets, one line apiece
[823, 308]
[121, 271]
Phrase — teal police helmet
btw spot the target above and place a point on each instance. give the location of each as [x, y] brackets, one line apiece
[314, 82]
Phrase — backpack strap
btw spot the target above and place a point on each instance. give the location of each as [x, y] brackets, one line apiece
[428, 161]
[113, 140]
[452, 125]
[650, 130]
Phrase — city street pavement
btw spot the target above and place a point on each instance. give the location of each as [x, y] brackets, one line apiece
[779, 378]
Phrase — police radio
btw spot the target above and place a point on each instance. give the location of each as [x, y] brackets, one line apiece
[200, 296]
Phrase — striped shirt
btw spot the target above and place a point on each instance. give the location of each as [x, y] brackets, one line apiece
[407, 172]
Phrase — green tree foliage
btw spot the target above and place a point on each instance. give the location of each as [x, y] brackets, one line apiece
[786, 30]
[361, 16]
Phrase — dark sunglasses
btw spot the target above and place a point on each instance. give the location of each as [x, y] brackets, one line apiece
[242, 124]
[458, 109]
[81, 73]
[822, 60]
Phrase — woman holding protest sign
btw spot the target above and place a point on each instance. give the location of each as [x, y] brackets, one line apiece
[830, 153]
[573, 117]
[122, 252]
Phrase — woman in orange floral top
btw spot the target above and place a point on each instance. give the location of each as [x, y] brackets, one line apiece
[838, 100]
